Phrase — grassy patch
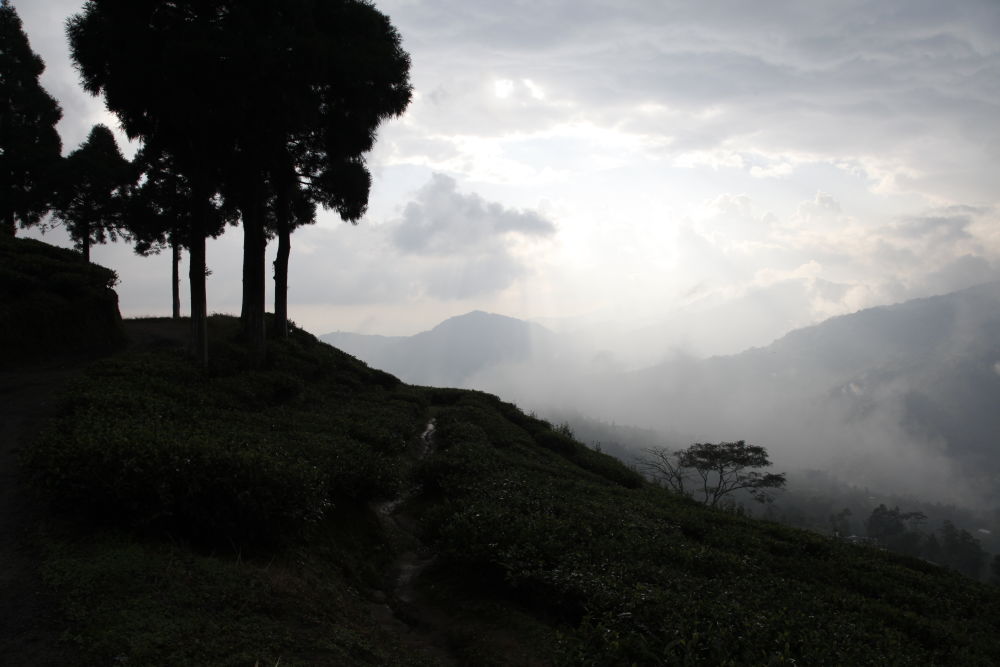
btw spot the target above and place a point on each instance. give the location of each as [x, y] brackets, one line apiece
[54, 303]
[225, 518]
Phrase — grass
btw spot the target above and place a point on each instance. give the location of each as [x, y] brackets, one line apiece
[227, 518]
[52, 300]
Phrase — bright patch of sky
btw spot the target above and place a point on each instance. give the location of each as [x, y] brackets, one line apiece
[743, 167]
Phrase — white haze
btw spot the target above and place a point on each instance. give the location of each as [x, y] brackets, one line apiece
[838, 397]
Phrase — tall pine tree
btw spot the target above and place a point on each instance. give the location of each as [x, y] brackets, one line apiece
[93, 191]
[29, 144]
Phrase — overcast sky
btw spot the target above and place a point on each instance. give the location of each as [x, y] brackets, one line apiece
[743, 167]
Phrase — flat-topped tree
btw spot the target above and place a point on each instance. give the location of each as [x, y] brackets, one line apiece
[30, 149]
[93, 190]
[332, 73]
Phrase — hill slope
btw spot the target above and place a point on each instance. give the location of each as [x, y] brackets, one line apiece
[901, 398]
[54, 303]
[452, 352]
[296, 513]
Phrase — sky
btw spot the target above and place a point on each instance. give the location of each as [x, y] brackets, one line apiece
[711, 173]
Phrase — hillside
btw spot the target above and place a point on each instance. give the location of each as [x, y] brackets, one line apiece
[901, 398]
[320, 512]
[298, 514]
[54, 303]
[454, 351]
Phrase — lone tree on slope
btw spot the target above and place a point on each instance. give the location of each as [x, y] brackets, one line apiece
[93, 191]
[30, 148]
[716, 470]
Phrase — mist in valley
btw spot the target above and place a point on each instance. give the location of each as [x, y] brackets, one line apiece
[899, 400]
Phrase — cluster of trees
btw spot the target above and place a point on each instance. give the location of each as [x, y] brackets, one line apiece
[712, 471]
[904, 532]
[245, 110]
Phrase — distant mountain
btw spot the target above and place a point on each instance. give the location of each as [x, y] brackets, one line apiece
[903, 397]
[454, 351]
[910, 392]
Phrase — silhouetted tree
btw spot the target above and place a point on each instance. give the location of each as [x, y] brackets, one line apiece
[30, 149]
[664, 466]
[896, 530]
[722, 469]
[93, 191]
[961, 551]
[245, 92]
[324, 76]
[292, 208]
[163, 68]
[160, 214]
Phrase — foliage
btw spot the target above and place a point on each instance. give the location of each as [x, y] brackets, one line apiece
[949, 546]
[166, 604]
[93, 191]
[29, 144]
[53, 304]
[722, 469]
[290, 449]
[256, 100]
[895, 529]
[535, 535]
[646, 577]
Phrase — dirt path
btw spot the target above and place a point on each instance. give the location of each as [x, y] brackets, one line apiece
[402, 612]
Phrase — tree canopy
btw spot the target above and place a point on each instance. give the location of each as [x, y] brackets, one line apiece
[30, 148]
[93, 190]
[715, 470]
[262, 102]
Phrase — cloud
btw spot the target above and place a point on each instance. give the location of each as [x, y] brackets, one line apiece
[906, 90]
[469, 245]
[443, 221]
[446, 245]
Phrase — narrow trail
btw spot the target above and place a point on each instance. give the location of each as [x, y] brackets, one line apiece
[400, 609]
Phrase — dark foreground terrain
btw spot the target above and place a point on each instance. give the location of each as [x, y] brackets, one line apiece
[320, 512]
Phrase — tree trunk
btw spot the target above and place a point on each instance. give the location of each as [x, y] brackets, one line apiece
[254, 249]
[85, 245]
[196, 278]
[283, 223]
[175, 278]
